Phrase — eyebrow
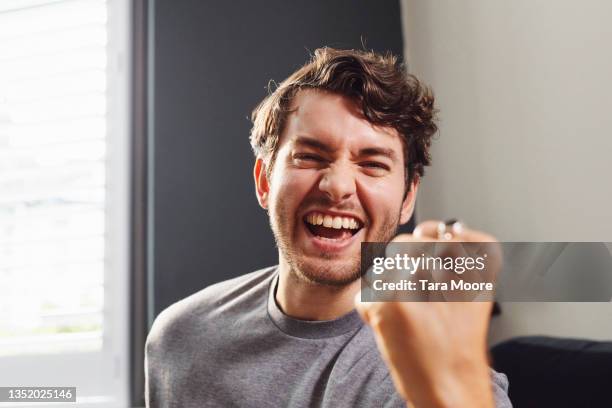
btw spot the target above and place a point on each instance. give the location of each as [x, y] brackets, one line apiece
[314, 143]
[378, 151]
[368, 151]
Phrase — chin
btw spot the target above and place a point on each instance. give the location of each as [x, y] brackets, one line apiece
[329, 272]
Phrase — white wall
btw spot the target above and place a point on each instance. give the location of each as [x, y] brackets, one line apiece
[524, 90]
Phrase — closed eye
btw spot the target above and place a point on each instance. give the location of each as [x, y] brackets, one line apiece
[308, 157]
[375, 165]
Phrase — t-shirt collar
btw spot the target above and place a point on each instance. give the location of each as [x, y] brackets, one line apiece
[306, 328]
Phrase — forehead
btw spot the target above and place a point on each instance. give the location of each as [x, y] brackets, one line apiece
[337, 121]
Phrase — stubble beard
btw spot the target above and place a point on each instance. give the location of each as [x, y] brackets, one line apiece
[325, 270]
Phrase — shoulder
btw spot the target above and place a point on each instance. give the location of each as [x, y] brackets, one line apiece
[186, 316]
[500, 389]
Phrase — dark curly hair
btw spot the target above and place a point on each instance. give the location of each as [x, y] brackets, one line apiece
[387, 95]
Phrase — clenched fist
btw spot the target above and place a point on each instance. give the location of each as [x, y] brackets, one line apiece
[436, 351]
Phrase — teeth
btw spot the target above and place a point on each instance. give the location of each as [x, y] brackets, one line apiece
[332, 222]
[328, 221]
[330, 239]
[346, 223]
[337, 224]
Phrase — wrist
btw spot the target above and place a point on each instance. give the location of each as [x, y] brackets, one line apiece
[470, 386]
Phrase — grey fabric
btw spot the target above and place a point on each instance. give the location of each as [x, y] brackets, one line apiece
[230, 345]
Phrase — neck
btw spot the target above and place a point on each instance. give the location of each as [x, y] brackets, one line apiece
[305, 300]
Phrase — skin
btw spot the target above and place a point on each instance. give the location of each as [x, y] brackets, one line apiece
[435, 351]
[345, 174]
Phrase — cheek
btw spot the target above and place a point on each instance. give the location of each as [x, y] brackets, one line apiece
[381, 199]
[292, 185]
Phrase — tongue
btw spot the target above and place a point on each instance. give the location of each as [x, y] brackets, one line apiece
[331, 233]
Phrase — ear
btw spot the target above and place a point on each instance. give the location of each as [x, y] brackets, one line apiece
[409, 202]
[262, 187]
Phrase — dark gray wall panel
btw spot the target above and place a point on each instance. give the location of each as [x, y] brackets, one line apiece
[212, 63]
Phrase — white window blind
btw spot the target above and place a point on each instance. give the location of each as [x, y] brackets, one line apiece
[63, 195]
[52, 176]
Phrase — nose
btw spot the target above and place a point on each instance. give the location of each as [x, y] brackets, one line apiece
[338, 183]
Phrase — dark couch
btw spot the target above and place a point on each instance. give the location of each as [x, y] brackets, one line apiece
[555, 372]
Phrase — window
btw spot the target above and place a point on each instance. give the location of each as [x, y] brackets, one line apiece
[64, 196]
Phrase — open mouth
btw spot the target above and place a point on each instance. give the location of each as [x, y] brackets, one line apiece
[332, 228]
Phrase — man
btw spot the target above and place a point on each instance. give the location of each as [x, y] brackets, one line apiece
[340, 146]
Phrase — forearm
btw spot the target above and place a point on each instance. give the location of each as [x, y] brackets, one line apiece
[467, 386]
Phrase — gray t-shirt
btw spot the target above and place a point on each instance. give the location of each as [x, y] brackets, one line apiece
[230, 345]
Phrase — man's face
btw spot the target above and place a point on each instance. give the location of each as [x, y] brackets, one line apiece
[337, 181]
